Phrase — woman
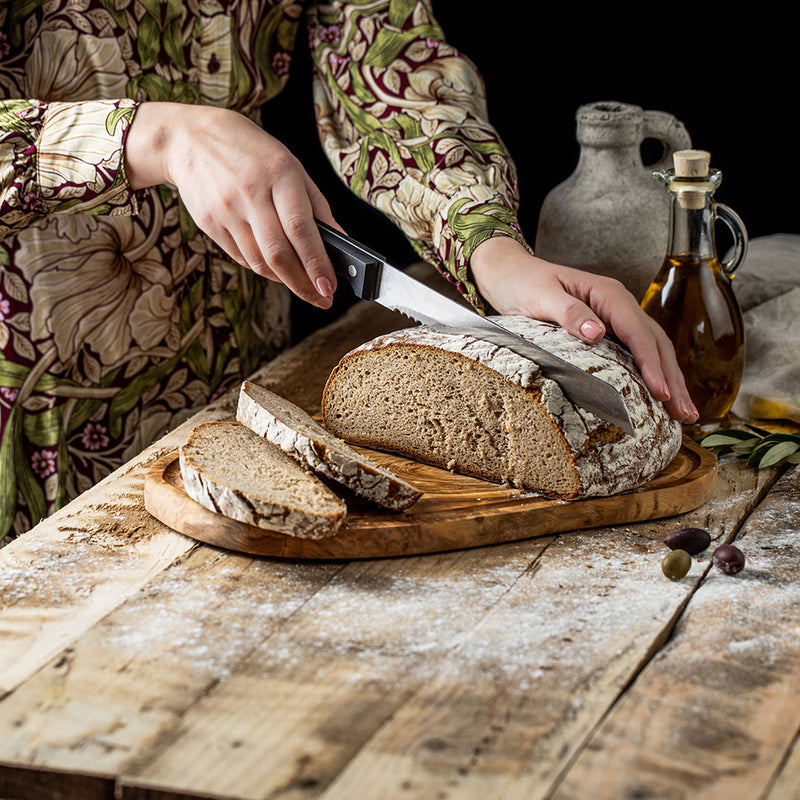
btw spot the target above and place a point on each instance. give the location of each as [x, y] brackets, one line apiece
[141, 206]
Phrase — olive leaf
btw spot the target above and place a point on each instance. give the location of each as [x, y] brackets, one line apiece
[758, 447]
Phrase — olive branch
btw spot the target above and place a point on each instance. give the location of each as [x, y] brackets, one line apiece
[759, 447]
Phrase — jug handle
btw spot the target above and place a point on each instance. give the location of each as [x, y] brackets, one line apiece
[740, 239]
[668, 130]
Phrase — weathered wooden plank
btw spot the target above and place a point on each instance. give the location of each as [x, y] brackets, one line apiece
[227, 677]
[121, 690]
[117, 689]
[79, 564]
[305, 702]
[61, 578]
[21, 784]
[787, 782]
[714, 715]
[509, 708]
[383, 691]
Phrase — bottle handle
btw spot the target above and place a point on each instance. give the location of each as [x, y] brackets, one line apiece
[740, 238]
[668, 130]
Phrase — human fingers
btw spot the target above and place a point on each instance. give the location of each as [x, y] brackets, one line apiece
[655, 356]
[555, 304]
[516, 282]
[320, 205]
[298, 204]
[270, 253]
[225, 239]
[586, 305]
[591, 301]
[649, 345]
[255, 200]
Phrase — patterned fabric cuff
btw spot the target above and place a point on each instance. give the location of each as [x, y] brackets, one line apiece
[80, 164]
[457, 230]
[468, 226]
[20, 123]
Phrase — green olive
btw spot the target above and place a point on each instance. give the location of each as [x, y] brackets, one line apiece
[675, 564]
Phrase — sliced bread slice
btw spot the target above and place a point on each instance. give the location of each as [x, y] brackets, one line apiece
[228, 469]
[296, 432]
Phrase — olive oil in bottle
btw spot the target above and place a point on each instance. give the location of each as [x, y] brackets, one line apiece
[691, 296]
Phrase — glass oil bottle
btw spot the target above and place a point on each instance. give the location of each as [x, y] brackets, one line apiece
[691, 296]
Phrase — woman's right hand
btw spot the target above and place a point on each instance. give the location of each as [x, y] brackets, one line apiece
[242, 187]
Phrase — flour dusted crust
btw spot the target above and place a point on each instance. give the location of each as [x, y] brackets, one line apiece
[298, 435]
[228, 469]
[499, 400]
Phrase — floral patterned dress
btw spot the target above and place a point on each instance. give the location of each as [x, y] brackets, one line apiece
[118, 318]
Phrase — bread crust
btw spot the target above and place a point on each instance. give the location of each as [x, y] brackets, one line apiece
[605, 459]
[298, 435]
[207, 485]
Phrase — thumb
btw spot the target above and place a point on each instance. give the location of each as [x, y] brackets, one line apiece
[591, 330]
[573, 315]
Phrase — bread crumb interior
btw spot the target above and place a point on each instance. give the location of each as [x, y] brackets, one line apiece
[243, 460]
[447, 410]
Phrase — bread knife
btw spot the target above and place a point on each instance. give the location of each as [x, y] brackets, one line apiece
[372, 278]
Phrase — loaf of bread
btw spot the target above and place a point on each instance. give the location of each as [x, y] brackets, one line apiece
[300, 436]
[457, 402]
[229, 469]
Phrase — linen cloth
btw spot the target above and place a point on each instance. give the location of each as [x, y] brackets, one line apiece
[767, 287]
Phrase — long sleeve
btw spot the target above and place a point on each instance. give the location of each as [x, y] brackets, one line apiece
[402, 117]
[62, 157]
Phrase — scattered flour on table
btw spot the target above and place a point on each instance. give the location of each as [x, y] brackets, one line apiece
[510, 618]
[762, 600]
[378, 624]
[59, 572]
[208, 623]
[380, 620]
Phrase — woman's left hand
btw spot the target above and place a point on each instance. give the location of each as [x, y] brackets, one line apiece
[586, 305]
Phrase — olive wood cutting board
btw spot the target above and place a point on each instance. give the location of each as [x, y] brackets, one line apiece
[454, 511]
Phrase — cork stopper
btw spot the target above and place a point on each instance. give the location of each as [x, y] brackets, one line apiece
[691, 164]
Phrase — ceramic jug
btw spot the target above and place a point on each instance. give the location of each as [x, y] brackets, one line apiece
[609, 216]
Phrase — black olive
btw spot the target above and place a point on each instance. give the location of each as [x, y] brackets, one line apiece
[692, 540]
[728, 558]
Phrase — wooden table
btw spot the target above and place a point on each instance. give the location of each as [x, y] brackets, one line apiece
[138, 664]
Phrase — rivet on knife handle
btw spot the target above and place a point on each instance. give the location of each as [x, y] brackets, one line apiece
[358, 265]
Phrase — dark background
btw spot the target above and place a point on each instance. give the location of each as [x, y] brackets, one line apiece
[727, 79]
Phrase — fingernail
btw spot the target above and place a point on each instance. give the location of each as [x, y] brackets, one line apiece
[690, 413]
[324, 287]
[591, 329]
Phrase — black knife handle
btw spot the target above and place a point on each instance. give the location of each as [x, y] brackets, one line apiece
[358, 265]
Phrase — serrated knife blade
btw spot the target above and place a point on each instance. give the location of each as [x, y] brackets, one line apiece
[373, 278]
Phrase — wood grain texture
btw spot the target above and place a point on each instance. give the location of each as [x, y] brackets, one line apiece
[123, 689]
[235, 677]
[158, 669]
[469, 674]
[454, 511]
[786, 785]
[72, 569]
[79, 564]
[717, 712]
